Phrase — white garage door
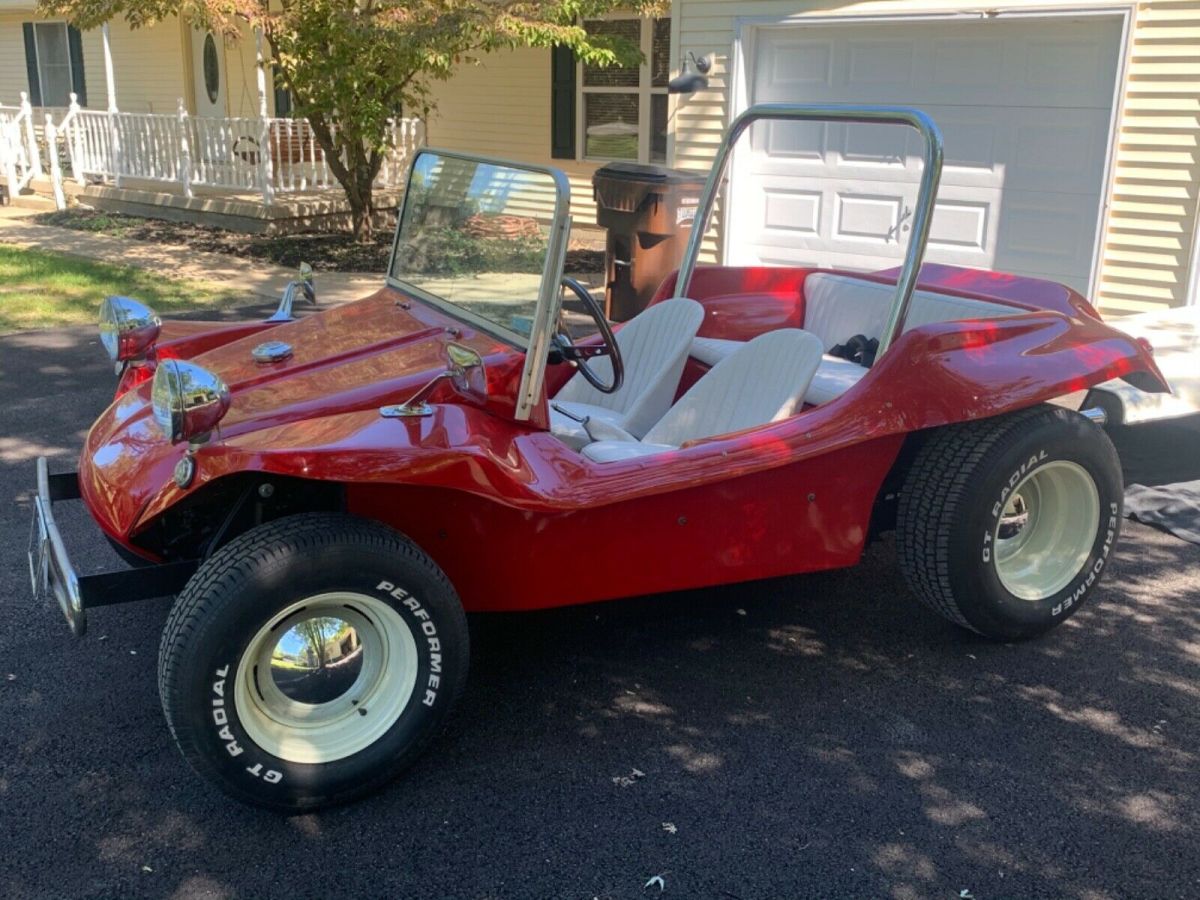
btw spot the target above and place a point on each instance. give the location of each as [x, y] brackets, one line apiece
[1025, 108]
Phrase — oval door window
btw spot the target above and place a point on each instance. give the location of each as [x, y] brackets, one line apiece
[212, 69]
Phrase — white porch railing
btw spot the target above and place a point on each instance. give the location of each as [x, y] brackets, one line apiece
[265, 156]
[19, 156]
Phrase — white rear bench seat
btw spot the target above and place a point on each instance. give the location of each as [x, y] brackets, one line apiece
[837, 307]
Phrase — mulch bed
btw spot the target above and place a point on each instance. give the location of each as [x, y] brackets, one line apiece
[324, 252]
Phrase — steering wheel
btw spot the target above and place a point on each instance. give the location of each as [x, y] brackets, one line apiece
[579, 355]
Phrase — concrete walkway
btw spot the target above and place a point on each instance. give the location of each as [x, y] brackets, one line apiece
[255, 277]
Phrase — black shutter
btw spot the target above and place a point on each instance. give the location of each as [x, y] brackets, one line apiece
[562, 103]
[283, 97]
[75, 46]
[35, 84]
[283, 101]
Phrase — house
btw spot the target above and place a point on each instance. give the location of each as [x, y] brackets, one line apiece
[1072, 127]
[1072, 131]
[152, 67]
[169, 119]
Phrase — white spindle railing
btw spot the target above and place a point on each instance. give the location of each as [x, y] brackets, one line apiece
[247, 154]
[19, 154]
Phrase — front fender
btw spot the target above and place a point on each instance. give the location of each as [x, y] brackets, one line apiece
[458, 447]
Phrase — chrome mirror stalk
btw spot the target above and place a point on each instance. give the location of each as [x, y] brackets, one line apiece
[304, 284]
[460, 363]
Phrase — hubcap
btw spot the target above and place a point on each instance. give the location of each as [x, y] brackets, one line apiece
[326, 677]
[1046, 532]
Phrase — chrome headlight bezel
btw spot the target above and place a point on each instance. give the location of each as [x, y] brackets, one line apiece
[128, 328]
[187, 400]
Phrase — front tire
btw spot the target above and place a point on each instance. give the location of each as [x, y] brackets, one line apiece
[310, 660]
[1005, 525]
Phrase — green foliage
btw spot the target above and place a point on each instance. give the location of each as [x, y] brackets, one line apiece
[450, 251]
[39, 289]
[352, 65]
[99, 223]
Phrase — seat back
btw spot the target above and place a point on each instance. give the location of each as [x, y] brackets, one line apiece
[654, 346]
[837, 307]
[762, 381]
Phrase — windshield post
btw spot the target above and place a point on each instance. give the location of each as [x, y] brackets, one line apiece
[876, 115]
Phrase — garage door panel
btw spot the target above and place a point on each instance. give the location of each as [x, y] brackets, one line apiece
[1024, 106]
[879, 62]
[801, 64]
[963, 226]
[796, 212]
[1045, 63]
[1060, 150]
[877, 146]
[791, 141]
[869, 219]
[1062, 70]
[1046, 234]
[961, 62]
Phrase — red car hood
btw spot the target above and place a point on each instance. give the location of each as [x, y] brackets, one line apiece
[360, 356]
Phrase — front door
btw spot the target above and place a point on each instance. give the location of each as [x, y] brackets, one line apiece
[208, 73]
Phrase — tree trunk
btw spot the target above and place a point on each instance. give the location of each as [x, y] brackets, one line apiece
[355, 168]
[362, 200]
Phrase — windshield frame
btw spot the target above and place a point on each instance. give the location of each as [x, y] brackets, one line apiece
[562, 193]
[535, 345]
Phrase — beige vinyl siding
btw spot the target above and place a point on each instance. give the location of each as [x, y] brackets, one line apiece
[148, 67]
[148, 64]
[501, 107]
[13, 78]
[241, 72]
[1152, 219]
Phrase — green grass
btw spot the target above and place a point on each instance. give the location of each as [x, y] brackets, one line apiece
[40, 289]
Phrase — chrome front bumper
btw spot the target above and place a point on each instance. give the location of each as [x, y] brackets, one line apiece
[50, 569]
[51, 572]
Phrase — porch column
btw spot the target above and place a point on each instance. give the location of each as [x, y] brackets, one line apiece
[110, 85]
[265, 168]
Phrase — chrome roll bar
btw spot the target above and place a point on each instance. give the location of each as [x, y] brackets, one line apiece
[874, 115]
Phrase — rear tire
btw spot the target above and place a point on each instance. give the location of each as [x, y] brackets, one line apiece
[310, 660]
[1005, 525]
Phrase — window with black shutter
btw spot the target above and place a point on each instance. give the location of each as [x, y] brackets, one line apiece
[54, 63]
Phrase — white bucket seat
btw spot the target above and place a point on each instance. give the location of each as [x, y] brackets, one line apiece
[763, 381]
[654, 346]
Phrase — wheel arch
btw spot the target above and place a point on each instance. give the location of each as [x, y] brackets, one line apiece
[224, 508]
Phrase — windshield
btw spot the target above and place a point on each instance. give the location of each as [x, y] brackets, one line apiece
[476, 237]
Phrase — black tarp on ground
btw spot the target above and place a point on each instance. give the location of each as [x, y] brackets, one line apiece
[1161, 462]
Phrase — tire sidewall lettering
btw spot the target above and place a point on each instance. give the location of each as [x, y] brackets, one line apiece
[1066, 600]
[428, 631]
[247, 762]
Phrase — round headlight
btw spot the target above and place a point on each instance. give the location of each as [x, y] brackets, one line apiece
[188, 401]
[127, 328]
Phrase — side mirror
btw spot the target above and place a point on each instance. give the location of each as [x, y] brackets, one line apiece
[305, 285]
[464, 369]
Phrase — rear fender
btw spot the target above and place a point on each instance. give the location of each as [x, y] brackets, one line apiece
[957, 371]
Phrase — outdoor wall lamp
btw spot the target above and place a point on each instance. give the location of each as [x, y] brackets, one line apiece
[690, 82]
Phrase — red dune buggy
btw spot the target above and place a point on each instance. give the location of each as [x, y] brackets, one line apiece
[328, 496]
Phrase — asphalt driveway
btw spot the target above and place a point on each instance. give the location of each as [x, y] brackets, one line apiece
[804, 737]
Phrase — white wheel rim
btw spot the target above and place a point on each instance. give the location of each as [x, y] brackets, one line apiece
[326, 677]
[1045, 534]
